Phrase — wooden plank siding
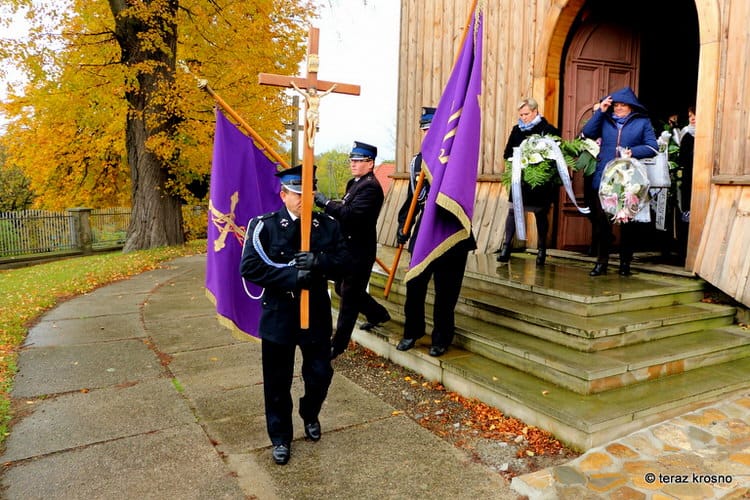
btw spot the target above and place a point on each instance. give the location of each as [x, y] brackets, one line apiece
[524, 44]
[734, 124]
[723, 143]
[431, 31]
[726, 238]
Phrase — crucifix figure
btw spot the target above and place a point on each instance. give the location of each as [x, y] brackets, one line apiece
[312, 115]
[313, 90]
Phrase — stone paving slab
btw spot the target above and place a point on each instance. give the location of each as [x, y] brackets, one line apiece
[80, 419]
[188, 333]
[703, 454]
[174, 463]
[219, 368]
[81, 331]
[236, 420]
[58, 369]
[402, 461]
[97, 303]
[177, 303]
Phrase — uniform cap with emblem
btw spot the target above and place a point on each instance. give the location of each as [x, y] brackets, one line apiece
[426, 119]
[291, 178]
[362, 151]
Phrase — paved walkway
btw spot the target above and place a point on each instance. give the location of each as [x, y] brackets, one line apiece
[135, 391]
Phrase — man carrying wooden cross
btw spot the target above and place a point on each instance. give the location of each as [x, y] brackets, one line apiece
[292, 253]
[271, 259]
[313, 86]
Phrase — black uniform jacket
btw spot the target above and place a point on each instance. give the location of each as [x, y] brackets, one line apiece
[358, 214]
[279, 238]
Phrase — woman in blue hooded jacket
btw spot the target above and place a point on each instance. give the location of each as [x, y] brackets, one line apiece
[625, 131]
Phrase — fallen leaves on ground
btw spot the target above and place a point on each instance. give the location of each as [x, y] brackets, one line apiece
[503, 443]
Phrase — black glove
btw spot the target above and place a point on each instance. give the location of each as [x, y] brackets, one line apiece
[320, 199]
[305, 260]
[304, 278]
[402, 238]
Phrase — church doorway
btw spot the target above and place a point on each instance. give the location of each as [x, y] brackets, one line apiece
[652, 47]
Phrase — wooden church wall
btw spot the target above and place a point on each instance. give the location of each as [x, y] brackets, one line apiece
[724, 234]
[431, 31]
[523, 43]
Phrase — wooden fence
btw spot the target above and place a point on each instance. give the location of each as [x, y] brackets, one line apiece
[33, 232]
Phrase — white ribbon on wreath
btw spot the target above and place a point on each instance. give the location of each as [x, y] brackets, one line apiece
[516, 174]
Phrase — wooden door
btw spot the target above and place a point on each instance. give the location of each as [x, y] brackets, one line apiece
[602, 57]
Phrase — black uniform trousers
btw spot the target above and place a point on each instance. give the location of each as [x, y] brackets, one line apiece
[278, 368]
[447, 272]
[602, 223]
[352, 289]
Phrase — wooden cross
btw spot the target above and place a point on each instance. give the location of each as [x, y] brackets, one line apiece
[309, 86]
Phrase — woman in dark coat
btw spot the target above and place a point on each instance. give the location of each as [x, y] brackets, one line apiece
[625, 131]
[539, 199]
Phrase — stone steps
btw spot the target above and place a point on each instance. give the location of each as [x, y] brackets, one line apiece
[592, 372]
[566, 286]
[584, 333]
[543, 349]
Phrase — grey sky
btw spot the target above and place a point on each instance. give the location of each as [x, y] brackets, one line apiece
[359, 45]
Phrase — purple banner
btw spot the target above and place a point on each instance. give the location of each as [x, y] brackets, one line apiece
[450, 152]
[243, 185]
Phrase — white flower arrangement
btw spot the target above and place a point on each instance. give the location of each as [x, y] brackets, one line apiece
[624, 189]
[663, 140]
[538, 161]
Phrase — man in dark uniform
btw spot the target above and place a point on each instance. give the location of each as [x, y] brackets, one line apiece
[358, 214]
[271, 259]
[447, 270]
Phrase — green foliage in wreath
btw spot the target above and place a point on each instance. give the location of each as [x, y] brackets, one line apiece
[540, 166]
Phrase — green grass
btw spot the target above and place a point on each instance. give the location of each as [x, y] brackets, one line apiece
[178, 386]
[26, 293]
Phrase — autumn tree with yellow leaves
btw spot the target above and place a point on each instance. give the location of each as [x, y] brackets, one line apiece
[106, 117]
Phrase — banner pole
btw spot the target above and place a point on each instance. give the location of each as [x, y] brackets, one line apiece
[247, 128]
[405, 229]
[264, 146]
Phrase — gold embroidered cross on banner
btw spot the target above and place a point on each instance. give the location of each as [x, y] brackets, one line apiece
[225, 223]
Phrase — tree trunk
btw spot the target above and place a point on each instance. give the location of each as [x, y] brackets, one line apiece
[148, 42]
[156, 216]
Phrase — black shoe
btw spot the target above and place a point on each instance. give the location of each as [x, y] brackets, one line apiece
[504, 254]
[437, 350]
[624, 269]
[598, 270]
[541, 256]
[369, 325]
[312, 430]
[406, 344]
[281, 453]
